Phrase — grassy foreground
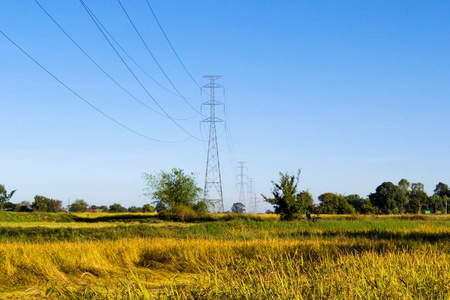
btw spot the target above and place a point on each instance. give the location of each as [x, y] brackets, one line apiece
[335, 258]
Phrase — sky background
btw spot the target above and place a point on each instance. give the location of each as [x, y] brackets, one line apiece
[354, 93]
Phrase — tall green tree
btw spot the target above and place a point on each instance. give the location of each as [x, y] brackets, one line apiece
[286, 201]
[404, 185]
[389, 199]
[5, 197]
[418, 199]
[436, 203]
[442, 189]
[174, 190]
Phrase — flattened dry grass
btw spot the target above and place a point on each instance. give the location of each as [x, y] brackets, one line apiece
[209, 269]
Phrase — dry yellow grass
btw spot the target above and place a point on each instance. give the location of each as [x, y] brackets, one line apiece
[372, 258]
[209, 268]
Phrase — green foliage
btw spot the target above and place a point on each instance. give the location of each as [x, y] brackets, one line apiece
[418, 199]
[78, 205]
[134, 209]
[44, 204]
[305, 202]
[238, 208]
[334, 204]
[116, 208]
[404, 185]
[4, 196]
[442, 190]
[174, 191]
[286, 201]
[147, 208]
[329, 203]
[436, 203]
[389, 199]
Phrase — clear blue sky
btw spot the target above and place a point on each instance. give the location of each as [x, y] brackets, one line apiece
[353, 92]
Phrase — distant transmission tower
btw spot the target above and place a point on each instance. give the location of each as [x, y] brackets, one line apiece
[241, 182]
[213, 180]
[250, 195]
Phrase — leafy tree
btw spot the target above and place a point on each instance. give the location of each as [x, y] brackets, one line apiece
[4, 196]
[334, 204]
[442, 190]
[329, 203]
[286, 201]
[117, 208]
[305, 202]
[40, 203]
[55, 206]
[78, 205]
[134, 209]
[238, 207]
[359, 204]
[24, 206]
[174, 191]
[436, 203]
[389, 198]
[44, 204]
[344, 207]
[368, 208]
[418, 199]
[8, 206]
[404, 185]
[147, 208]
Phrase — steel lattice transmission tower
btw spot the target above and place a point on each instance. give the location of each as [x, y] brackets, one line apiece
[241, 183]
[250, 195]
[213, 180]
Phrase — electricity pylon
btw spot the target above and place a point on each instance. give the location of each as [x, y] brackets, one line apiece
[213, 180]
[241, 182]
[250, 195]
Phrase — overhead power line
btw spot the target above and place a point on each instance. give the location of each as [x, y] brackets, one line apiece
[170, 44]
[154, 58]
[133, 60]
[134, 75]
[82, 98]
[97, 65]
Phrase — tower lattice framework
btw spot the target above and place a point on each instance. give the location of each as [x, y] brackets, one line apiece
[213, 180]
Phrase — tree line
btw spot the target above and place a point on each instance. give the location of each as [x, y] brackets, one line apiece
[388, 198]
[44, 204]
[177, 193]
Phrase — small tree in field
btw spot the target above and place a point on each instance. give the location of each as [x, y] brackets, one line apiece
[147, 208]
[286, 201]
[117, 208]
[78, 205]
[238, 207]
[174, 191]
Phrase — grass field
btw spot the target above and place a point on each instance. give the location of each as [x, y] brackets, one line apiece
[118, 257]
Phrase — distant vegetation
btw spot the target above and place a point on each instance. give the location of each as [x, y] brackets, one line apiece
[176, 196]
[387, 199]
